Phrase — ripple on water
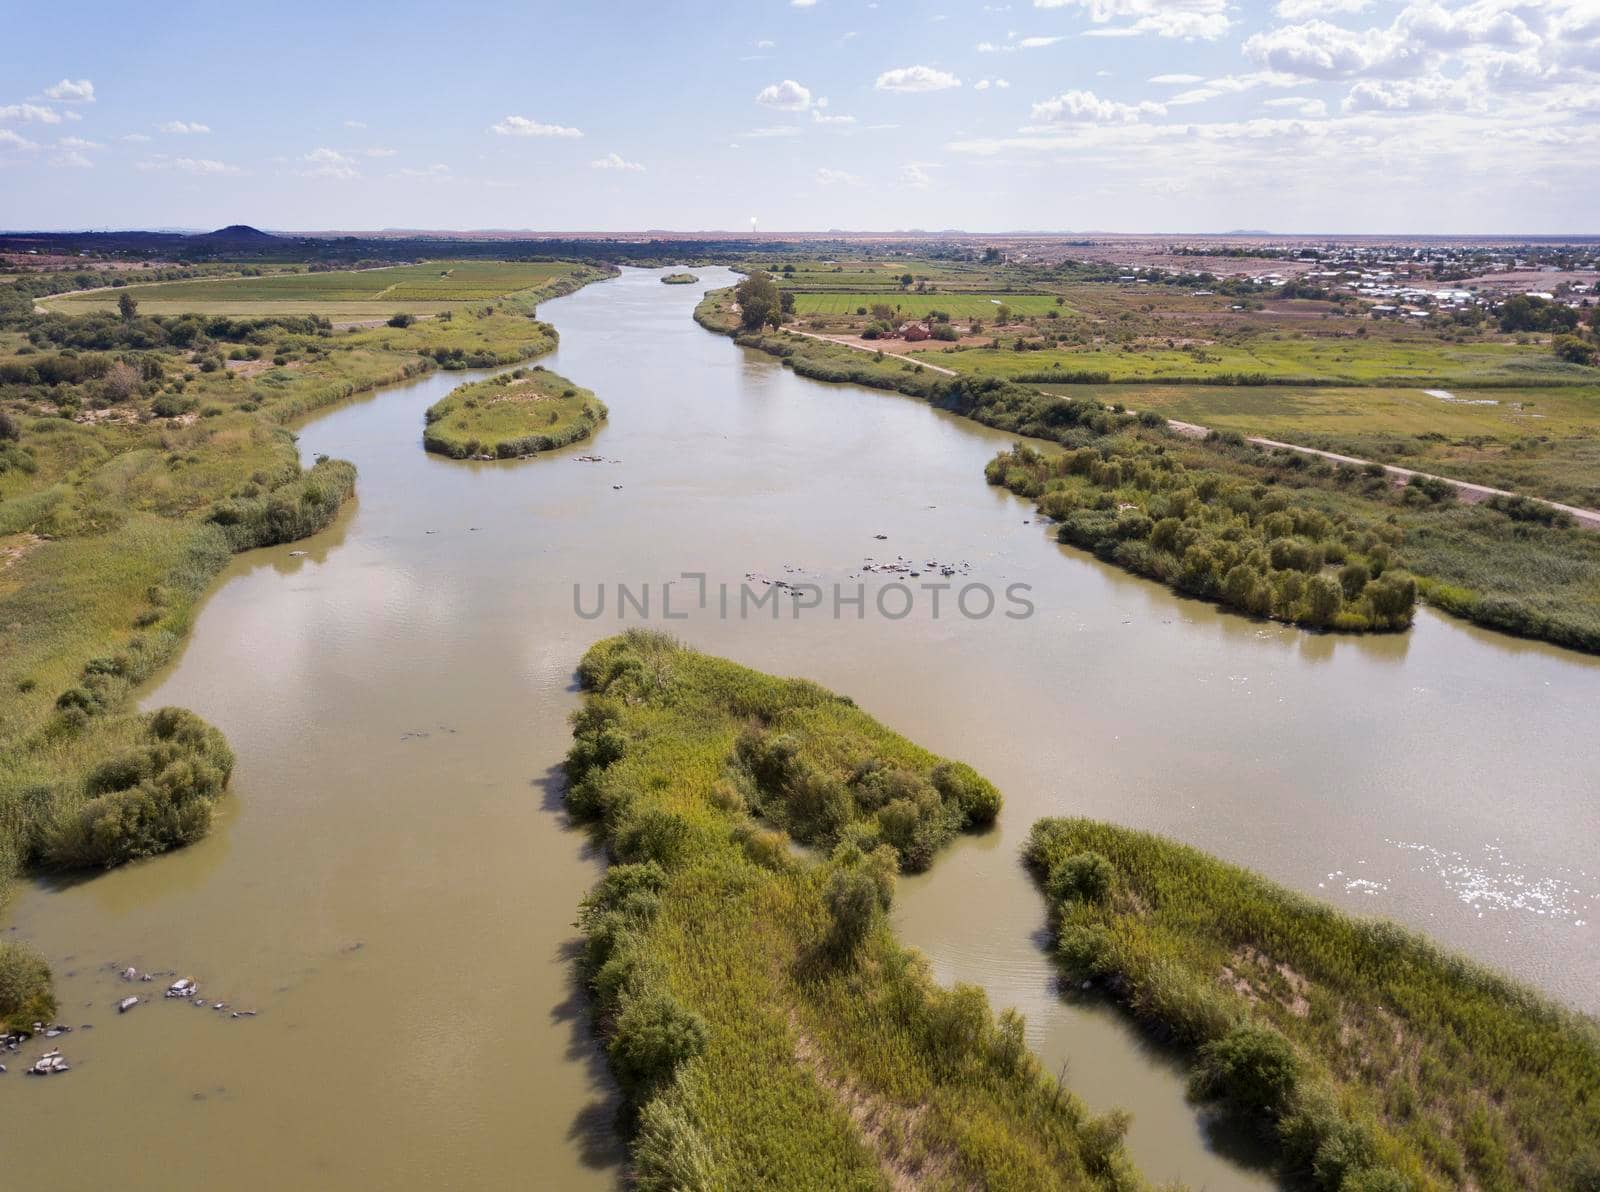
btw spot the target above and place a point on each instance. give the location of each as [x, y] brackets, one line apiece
[1491, 881]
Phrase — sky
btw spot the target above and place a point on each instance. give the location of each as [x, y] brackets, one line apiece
[1355, 116]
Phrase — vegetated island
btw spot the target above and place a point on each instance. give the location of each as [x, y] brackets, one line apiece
[766, 1028]
[1368, 1058]
[511, 416]
[138, 453]
[1510, 564]
[679, 279]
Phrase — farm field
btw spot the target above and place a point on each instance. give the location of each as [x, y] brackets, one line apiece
[1347, 360]
[348, 294]
[917, 306]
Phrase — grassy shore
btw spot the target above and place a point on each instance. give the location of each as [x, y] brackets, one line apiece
[137, 454]
[512, 415]
[764, 1024]
[1510, 567]
[1369, 1058]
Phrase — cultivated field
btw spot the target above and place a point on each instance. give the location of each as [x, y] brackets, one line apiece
[350, 294]
[919, 306]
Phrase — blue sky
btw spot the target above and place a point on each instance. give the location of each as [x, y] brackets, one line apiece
[1450, 116]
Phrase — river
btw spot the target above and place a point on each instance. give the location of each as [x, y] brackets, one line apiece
[391, 882]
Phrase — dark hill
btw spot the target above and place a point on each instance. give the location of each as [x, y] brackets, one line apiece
[239, 232]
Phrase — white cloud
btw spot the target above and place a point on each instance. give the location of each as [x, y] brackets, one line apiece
[787, 96]
[1299, 10]
[1177, 80]
[781, 130]
[1204, 19]
[981, 85]
[818, 117]
[134, 138]
[827, 177]
[184, 127]
[766, 44]
[521, 126]
[915, 176]
[439, 172]
[71, 159]
[78, 143]
[199, 166]
[13, 140]
[1074, 106]
[615, 161]
[379, 151]
[356, 124]
[1013, 42]
[1300, 105]
[329, 163]
[802, 3]
[916, 78]
[29, 112]
[68, 91]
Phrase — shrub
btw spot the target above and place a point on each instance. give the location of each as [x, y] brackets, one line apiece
[402, 320]
[154, 798]
[976, 797]
[1082, 877]
[654, 1035]
[1252, 1069]
[25, 996]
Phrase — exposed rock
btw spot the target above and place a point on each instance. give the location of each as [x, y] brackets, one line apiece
[127, 1004]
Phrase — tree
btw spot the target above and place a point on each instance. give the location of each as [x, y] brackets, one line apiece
[127, 307]
[759, 301]
[1574, 350]
[1002, 315]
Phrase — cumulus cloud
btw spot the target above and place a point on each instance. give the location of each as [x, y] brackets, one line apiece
[71, 159]
[134, 138]
[184, 127]
[1189, 19]
[985, 84]
[15, 140]
[780, 130]
[329, 163]
[521, 126]
[356, 124]
[916, 78]
[827, 177]
[787, 96]
[30, 112]
[379, 151]
[1177, 80]
[615, 161]
[78, 143]
[915, 177]
[1085, 106]
[819, 117]
[1013, 42]
[71, 91]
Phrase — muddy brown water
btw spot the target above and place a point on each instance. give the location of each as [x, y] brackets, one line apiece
[391, 882]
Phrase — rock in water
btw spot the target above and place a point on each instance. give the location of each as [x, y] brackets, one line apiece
[127, 1004]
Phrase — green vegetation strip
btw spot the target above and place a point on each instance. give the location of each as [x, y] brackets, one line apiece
[1369, 1058]
[766, 1028]
[512, 415]
[679, 279]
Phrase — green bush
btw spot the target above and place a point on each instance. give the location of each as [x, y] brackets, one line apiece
[654, 1035]
[1252, 1069]
[25, 995]
[1082, 877]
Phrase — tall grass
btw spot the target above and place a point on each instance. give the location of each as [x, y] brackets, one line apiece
[765, 1026]
[1370, 1057]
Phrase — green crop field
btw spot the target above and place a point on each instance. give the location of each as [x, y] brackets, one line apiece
[913, 305]
[343, 294]
[1345, 360]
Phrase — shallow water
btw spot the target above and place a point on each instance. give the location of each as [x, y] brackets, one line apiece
[392, 885]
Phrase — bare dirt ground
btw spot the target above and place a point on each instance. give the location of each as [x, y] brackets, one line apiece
[889, 347]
